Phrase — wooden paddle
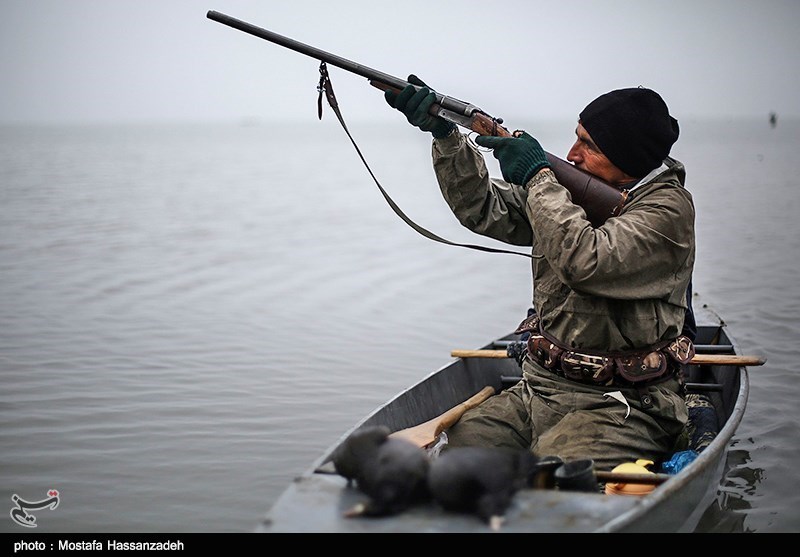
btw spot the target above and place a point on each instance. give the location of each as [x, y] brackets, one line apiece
[426, 433]
[699, 359]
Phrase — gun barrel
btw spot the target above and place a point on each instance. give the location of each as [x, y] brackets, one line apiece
[308, 50]
[449, 103]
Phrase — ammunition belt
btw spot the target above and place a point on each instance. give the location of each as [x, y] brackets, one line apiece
[628, 369]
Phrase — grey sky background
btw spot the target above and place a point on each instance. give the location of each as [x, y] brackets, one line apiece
[87, 61]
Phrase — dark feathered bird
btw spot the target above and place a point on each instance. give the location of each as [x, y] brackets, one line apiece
[480, 480]
[360, 447]
[392, 472]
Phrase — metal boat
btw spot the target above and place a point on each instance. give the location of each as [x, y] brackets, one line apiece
[317, 500]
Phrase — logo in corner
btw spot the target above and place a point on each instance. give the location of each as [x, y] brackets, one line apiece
[21, 515]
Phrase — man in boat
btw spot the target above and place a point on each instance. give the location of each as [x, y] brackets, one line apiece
[601, 373]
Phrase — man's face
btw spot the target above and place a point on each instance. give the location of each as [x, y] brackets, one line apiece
[587, 156]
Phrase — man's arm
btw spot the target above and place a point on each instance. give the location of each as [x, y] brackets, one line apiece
[489, 207]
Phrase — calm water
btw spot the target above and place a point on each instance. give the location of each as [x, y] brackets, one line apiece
[190, 315]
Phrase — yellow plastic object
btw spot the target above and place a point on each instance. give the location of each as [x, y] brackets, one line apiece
[638, 467]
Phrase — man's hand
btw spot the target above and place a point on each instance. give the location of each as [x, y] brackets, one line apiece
[415, 104]
[520, 157]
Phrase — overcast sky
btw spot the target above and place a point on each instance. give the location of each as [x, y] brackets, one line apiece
[140, 60]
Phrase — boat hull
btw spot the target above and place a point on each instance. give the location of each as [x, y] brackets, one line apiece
[317, 500]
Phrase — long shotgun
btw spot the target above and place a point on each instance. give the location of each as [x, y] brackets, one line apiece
[599, 199]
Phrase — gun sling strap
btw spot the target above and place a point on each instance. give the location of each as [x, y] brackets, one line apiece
[326, 87]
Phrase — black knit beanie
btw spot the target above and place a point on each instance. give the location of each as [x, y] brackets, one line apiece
[632, 127]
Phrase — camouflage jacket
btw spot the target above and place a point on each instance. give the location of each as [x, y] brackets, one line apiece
[618, 287]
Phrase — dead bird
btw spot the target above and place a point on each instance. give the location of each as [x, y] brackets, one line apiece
[391, 472]
[351, 456]
[481, 480]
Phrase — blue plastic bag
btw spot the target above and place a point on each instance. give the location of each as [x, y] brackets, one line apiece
[679, 461]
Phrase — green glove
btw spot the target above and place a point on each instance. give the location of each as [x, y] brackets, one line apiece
[415, 104]
[520, 157]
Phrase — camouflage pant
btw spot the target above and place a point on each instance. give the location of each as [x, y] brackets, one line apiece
[553, 416]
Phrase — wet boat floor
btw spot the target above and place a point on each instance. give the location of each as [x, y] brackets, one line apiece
[317, 503]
